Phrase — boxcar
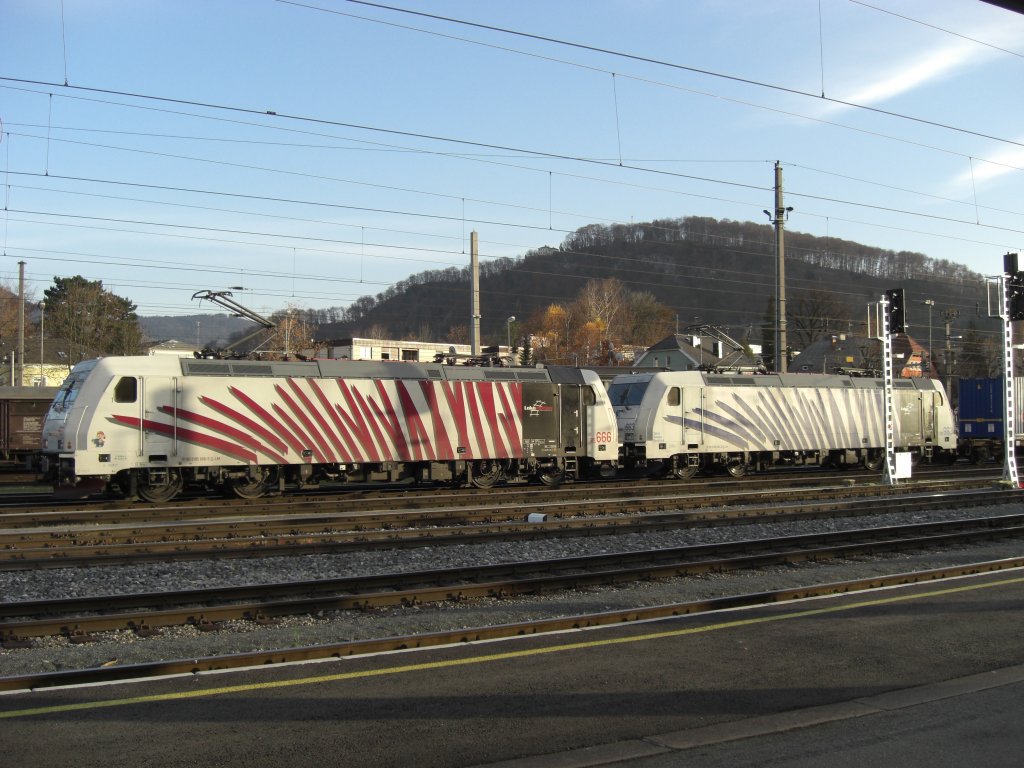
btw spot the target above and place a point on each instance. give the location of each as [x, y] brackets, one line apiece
[980, 418]
[22, 410]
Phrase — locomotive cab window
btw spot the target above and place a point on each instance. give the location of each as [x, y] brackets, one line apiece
[673, 396]
[627, 394]
[126, 390]
[589, 396]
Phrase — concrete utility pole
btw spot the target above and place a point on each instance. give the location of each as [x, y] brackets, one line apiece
[474, 268]
[929, 303]
[949, 316]
[781, 213]
[21, 323]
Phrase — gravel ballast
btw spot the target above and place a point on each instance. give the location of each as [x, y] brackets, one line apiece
[52, 654]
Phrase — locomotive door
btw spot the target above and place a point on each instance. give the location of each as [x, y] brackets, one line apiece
[693, 417]
[159, 403]
[540, 419]
[929, 400]
[683, 402]
[572, 428]
[912, 415]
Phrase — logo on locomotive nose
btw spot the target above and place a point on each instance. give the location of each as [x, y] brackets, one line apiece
[100, 439]
[537, 408]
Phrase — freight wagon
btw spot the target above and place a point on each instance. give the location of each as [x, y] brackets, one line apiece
[22, 410]
[980, 417]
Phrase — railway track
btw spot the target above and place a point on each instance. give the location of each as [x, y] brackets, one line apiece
[112, 509]
[49, 540]
[80, 618]
[114, 673]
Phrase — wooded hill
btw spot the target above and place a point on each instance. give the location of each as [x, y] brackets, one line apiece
[201, 330]
[704, 270]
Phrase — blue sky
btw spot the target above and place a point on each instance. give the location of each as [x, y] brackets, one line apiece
[160, 170]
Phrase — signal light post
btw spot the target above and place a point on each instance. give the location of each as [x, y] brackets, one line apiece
[1011, 308]
[892, 315]
[897, 310]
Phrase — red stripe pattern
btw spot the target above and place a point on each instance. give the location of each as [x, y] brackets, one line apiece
[299, 421]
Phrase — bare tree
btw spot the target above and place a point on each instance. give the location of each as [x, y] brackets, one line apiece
[813, 314]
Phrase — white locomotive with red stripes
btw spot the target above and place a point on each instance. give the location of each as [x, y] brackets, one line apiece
[152, 427]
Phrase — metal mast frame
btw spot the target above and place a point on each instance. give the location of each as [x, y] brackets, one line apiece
[1010, 473]
[882, 324]
[890, 416]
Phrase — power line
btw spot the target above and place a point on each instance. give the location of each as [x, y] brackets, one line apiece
[392, 131]
[719, 181]
[940, 29]
[566, 62]
[568, 175]
[671, 65]
[791, 193]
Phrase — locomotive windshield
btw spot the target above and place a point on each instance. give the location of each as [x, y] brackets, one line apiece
[627, 393]
[69, 390]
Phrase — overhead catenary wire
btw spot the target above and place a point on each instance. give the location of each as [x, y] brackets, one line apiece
[524, 153]
[670, 65]
[550, 207]
[792, 193]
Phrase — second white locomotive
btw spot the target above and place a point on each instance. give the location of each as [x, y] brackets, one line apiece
[681, 422]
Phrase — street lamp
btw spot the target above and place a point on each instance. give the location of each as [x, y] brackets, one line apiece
[929, 303]
[508, 328]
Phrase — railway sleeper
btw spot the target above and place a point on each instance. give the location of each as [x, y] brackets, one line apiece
[203, 624]
[13, 642]
[78, 636]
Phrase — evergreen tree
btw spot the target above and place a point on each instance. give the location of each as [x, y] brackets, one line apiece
[89, 321]
[526, 351]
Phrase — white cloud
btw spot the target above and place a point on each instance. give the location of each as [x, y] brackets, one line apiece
[913, 74]
[1010, 160]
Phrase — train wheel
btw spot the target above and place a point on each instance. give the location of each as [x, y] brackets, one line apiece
[552, 478]
[684, 470]
[737, 470]
[248, 487]
[874, 459]
[486, 473]
[160, 492]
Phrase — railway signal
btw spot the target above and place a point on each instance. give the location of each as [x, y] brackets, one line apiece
[1014, 286]
[897, 310]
